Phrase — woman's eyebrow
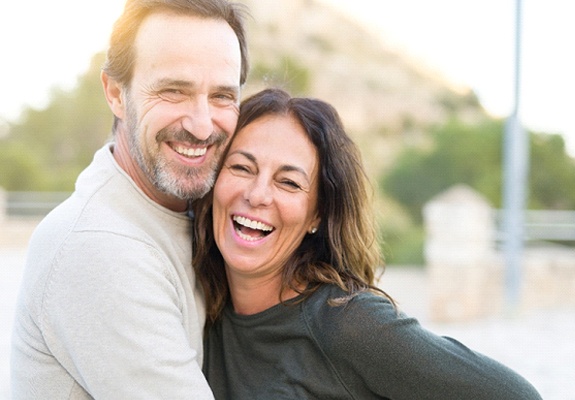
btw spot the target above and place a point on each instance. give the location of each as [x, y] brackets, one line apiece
[247, 155]
[293, 168]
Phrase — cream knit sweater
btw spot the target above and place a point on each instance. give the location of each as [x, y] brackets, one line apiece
[108, 308]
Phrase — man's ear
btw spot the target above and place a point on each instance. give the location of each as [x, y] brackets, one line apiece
[113, 93]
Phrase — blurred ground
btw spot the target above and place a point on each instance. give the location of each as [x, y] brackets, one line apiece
[539, 345]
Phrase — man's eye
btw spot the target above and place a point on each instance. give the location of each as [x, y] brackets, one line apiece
[173, 95]
[224, 98]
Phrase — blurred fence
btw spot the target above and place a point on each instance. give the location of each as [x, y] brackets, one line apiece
[540, 225]
[33, 204]
[544, 225]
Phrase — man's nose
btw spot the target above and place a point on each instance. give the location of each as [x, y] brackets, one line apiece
[198, 119]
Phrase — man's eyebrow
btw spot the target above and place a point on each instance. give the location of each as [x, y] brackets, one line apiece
[228, 88]
[173, 82]
[181, 83]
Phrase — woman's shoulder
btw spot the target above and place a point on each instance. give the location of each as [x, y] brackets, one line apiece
[330, 305]
[366, 327]
[367, 330]
[327, 293]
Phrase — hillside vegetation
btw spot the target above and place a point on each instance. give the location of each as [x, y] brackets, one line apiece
[386, 100]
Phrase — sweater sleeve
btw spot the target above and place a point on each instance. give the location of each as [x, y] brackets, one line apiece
[113, 318]
[371, 345]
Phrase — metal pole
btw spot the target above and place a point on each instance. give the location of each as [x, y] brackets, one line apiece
[516, 159]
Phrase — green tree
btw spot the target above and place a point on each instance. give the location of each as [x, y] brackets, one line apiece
[48, 148]
[472, 155]
[551, 174]
[287, 72]
[19, 169]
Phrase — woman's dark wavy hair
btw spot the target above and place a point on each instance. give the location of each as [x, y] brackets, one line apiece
[344, 250]
[121, 54]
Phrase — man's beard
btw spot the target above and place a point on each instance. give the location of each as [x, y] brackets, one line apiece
[167, 176]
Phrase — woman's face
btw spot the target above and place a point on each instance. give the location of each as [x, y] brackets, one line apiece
[265, 198]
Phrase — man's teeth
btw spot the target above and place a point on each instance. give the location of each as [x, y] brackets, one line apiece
[185, 151]
[252, 224]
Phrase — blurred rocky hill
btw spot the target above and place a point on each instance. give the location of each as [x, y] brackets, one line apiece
[386, 100]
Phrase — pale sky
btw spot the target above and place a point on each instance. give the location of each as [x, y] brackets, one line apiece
[44, 44]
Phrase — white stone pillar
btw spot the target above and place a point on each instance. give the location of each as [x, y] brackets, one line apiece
[463, 268]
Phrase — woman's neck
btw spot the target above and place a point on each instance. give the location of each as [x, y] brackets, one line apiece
[253, 295]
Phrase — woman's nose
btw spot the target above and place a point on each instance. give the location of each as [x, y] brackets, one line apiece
[259, 193]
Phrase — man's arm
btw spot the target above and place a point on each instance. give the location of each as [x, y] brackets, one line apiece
[113, 316]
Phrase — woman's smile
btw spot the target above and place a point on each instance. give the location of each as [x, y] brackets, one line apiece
[250, 230]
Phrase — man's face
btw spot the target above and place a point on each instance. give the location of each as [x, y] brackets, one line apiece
[181, 107]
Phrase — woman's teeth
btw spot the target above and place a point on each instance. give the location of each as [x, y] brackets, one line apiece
[252, 224]
[250, 230]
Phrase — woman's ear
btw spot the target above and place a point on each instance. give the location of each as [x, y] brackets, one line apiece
[314, 225]
[113, 92]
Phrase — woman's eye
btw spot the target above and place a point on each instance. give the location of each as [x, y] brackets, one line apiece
[291, 184]
[239, 168]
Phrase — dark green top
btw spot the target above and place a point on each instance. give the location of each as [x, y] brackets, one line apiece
[363, 350]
